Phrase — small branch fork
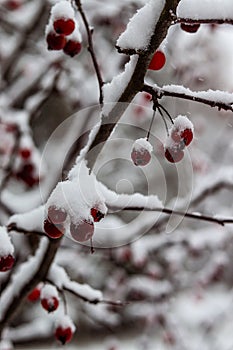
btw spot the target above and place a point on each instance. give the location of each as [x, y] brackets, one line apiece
[158, 93]
[91, 50]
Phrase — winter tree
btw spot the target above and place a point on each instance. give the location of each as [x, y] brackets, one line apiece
[116, 173]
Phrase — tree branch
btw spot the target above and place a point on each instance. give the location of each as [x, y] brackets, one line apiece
[196, 216]
[136, 82]
[39, 275]
[91, 50]
[203, 21]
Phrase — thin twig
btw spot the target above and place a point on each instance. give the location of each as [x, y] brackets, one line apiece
[91, 50]
[203, 21]
[151, 123]
[196, 216]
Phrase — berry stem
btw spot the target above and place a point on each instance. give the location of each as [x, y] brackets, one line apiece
[168, 114]
[89, 31]
[164, 120]
[151, 123]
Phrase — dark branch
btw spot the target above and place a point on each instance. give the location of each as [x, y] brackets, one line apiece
[203, 21]
[196, 216]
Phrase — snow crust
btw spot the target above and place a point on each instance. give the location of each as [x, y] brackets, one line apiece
[205, 9]
[6, 247]
[141, 26]
[182, 122]
[142, 144]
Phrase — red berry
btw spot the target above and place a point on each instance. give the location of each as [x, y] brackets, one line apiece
[13, 4]
[56, 215]
[26, 175]
[82, 231]
[64, 335]
[55, 41]
[175, 135]
[72, 48]
[147, 97]
[190, 27]
[34, 295]
[53, 231]
[96, 214]
[187, 136]
[140, 157]
[158, 61]
[64, 26]
[25, 153]
[6, 263]
[174, 155]
[50, 304]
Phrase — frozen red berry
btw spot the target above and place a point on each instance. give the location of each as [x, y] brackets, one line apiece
[158, 61]
[50, 304]
[141, 152]
[190, 27]
[64, 26]
[96, 214]
[35, 294]
[174, 155]
[26, 174]
[6, 263]
[63, 335]
[72, 48]
[82, 231]
[52, 230]
[56, 215]
[25, 153]
[55, 41]
[140, 158]
[186, 136]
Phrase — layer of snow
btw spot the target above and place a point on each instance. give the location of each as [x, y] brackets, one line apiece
[64, 322]
[62, 9]
[211, 95]
[30, 221]
[113, 90]
[205, 9]
[48, 292]
[60, 278]
[141, 26]
[6, 247]
[142, 144]
[182, 122]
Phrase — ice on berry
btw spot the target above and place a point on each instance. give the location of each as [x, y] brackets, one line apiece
[48, 292]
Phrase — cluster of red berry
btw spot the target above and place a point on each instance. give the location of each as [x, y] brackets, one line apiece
[62, 32]
[49, 300]
[180, 136]
[83, 230]
[6, 262]
[141, 152]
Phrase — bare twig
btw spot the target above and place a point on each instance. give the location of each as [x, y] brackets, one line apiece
[91, 50]
[203, 21]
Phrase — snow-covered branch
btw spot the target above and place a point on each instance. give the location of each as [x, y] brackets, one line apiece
[212, 98]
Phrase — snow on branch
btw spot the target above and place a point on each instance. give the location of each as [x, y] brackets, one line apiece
[29, 274]
[140, 28]
[212, 98]
[58, 276]
[205, 9]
